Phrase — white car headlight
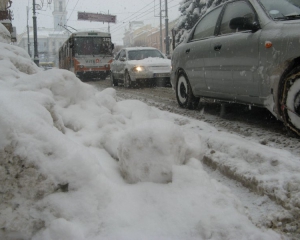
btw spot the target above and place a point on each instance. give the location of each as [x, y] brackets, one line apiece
[138, 69]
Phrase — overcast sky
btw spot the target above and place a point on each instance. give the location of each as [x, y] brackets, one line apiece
[125, 10]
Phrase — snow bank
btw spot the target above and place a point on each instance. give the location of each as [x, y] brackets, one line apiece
[60, 178]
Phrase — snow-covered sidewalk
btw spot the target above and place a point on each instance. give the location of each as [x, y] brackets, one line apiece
[77, 164]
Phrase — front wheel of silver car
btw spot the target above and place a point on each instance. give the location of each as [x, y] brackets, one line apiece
[113, 81]
[127, 80]
[184, 93]
[290, 104]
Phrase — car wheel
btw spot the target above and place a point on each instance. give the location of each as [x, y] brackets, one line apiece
[184, 93]
[290, 104]
[127, 80]
[114, 82]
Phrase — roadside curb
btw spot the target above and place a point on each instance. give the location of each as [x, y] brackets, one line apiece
[254, 185]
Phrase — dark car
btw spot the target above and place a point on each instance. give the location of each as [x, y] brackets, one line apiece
[244, 51]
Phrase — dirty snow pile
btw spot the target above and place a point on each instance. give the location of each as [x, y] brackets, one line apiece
[76, 164]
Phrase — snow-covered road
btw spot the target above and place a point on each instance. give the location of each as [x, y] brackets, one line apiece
[264, 205]
[255, 124]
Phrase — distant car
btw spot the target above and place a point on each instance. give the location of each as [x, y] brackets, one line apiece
[244, 51]
[135, 65]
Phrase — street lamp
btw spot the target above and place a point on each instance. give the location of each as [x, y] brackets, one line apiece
[28, 39]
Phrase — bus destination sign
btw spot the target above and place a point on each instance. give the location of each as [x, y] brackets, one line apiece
[96, 17]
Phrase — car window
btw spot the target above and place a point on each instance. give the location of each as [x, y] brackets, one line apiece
[235, 10]
[206, 27]
[282, 9]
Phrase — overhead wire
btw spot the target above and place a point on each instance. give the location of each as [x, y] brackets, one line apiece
[139, 14]
[123, 21]
[72, 11]
[142, 14]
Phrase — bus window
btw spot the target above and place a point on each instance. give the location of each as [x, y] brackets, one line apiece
[92, 46]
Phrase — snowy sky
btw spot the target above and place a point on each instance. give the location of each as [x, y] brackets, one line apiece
[78, 164]
[126, 11]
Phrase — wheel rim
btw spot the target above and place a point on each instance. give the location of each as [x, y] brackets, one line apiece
[182, 89]
[293, 103]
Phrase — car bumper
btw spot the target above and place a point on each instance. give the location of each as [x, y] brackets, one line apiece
[148, 75]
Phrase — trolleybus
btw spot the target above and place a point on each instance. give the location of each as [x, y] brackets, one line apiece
[87, 54]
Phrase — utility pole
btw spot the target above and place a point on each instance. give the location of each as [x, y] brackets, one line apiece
[167, 29]
[108, 24]
[28, 39]
[36, 54]
[160, 26]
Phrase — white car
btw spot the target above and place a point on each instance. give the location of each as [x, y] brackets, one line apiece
[135, 65]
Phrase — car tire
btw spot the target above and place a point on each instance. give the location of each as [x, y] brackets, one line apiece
[290, 104]
[184, 93]
[127, 80]
[114, 82]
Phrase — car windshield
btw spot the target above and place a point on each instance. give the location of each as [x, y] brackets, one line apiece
[142, 54]
[282, 9]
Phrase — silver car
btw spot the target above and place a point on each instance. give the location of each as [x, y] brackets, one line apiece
[135, 65]
[244, 51]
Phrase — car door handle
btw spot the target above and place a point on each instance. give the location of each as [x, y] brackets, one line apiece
[218, 47]
[187, 51]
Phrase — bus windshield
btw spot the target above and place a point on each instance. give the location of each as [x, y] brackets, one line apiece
[92, 45]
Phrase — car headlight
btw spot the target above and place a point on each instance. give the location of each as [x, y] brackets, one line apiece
[138, 69]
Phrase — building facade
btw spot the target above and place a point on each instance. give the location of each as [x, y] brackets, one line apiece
[49, 40]
[148, 36]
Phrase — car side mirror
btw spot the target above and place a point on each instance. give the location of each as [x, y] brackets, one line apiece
[122, 59]
[243, 24]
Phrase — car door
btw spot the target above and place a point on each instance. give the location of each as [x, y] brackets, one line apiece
[197, 50]
[234, 60]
